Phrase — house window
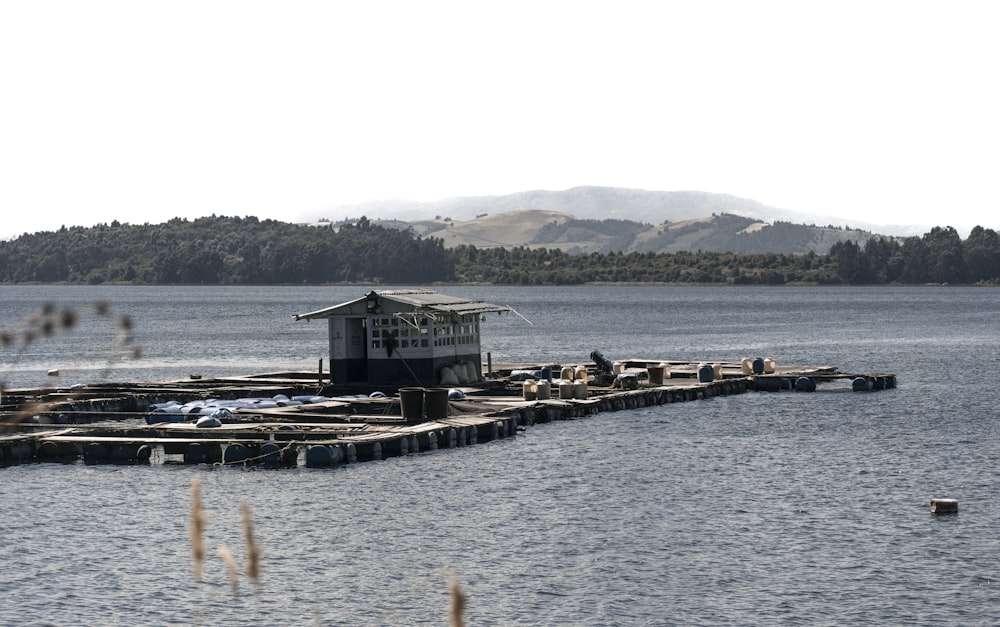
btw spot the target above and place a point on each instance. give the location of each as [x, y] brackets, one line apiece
[459, 331]
[383, 328]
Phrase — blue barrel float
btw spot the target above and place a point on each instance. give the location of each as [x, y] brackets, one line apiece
[272, 455]
[488, 432]
[57, 452]
[397, 447]
[706, 373]
[324, 456]
[366, 451]
[350, 453]
[202, 453]
[773, 384]
[130, 453]
[96, 453]
[427, 441]
[805, 384]
[236, 453]
[861, 384]
[768, 384]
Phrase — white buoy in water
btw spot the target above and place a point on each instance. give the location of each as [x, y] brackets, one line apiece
[53, 373]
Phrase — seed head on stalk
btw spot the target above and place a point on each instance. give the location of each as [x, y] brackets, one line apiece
[45, 322]
[253, 549]
[199, 519]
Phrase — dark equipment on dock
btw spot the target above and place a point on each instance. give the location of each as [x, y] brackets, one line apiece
[603, 363]
[605, 375]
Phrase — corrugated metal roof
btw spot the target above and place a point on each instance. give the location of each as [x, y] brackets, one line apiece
[420, 301]
[327, 311]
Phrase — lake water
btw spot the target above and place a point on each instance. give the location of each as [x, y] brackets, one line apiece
[751, 509]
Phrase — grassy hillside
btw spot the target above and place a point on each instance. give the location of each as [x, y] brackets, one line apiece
[555, 230]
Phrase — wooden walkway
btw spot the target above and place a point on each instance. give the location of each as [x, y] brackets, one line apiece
[112, 424]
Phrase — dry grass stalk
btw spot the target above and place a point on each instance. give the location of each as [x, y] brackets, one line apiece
[230, 561]
[199, 518]
[253, 550]
[457, 605]
[44, 323]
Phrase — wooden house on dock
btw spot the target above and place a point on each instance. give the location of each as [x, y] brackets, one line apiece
[404, 337]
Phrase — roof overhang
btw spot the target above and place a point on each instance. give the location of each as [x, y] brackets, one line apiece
[405, 302]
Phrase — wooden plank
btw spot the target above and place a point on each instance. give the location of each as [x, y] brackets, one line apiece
[16, 437]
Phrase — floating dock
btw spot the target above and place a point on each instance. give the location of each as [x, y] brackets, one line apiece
[292, 419]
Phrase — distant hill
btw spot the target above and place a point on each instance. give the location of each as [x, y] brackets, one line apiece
[601, 219]
[600, 203]
[582, 202]
[533, 228]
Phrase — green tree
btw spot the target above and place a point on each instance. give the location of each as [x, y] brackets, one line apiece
[982, 255]
[946, 262]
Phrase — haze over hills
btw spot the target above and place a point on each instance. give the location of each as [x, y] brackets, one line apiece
[599, 203]
[600, 219]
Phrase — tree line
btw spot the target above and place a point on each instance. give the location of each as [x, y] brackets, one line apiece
[247, 251]
[223, 251]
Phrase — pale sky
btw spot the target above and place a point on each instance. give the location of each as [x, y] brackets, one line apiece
[881, 111]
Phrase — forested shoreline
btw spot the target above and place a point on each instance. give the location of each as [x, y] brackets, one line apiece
[247, 251]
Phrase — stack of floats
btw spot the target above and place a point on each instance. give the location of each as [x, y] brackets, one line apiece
[138, 424]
